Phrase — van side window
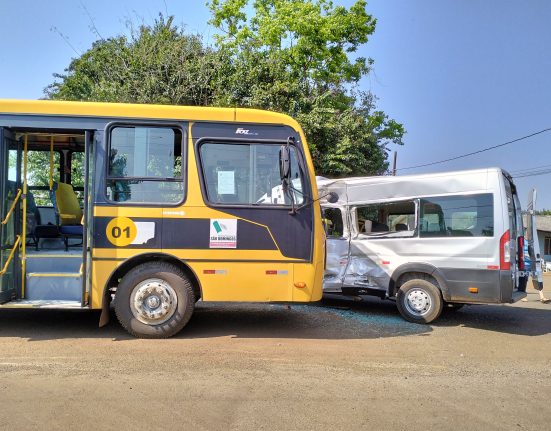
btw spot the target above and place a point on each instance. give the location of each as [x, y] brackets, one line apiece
[332, 218]
[457, 216]
[388, 217]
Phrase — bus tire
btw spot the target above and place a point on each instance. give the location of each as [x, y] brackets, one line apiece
[419, 301]
[154, 300]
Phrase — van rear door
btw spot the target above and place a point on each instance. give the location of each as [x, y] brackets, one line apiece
[516, 229]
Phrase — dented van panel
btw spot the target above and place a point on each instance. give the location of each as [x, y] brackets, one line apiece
[337, 261]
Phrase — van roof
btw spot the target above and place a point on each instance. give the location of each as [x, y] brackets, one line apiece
[128, 110]
[364, 189]
[400, 178]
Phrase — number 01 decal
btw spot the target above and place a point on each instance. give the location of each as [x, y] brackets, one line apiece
[121, 231]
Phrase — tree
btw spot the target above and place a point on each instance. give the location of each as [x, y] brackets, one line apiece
[294, 56]
[155, 64]
[290, 56]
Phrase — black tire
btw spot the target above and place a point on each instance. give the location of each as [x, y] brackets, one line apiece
[428, 296]
[167, 282]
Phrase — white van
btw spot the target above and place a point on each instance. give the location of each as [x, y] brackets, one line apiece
[428, 241]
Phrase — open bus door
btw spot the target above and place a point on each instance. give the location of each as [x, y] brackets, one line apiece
[9, 240]
[533, 243]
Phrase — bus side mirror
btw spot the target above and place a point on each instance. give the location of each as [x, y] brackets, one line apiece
[332, 197]
[284, 162]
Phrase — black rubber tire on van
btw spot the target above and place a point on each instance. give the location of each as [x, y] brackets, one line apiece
[419, 301]
[154, 300]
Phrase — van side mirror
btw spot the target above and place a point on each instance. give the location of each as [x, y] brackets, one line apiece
[332, 197]
[284, 162]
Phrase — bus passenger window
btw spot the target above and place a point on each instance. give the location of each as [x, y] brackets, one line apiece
[248, 174]
[145, 165]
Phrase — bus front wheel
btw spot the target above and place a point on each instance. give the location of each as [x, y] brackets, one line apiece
[154, 300]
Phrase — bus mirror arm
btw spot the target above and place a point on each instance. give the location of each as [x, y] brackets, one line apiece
[331, 197]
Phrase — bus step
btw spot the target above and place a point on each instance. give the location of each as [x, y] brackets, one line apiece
[48, 304]
[46, 263]
[53, 286]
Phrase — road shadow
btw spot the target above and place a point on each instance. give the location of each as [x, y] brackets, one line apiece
[326, 320]
[333, 318]
[41, 325]
[528, 319]
[330, 319]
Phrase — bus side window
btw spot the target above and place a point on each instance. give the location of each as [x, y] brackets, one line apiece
[145, 165]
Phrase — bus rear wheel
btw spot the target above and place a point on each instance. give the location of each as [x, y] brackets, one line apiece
[154, 300]
[419, 301]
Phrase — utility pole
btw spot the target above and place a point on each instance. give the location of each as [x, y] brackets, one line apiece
[394, 163]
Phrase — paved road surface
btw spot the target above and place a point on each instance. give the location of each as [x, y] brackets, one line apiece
[254, 367]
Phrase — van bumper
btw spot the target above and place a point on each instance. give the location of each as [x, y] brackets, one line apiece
[494, 286]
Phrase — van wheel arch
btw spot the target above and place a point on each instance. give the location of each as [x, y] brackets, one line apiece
[410, 271]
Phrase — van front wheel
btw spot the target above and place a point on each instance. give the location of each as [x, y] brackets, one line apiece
[154, 300]
[419, 301]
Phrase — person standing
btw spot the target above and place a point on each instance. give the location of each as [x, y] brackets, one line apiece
[535, 272]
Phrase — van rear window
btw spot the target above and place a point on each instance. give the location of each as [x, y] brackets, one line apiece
[461, 216]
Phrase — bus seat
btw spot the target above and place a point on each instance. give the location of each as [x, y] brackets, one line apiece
[68, 211]
[66, 204]
[37, 227]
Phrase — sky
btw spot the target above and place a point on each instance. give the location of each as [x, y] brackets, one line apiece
[461, 75]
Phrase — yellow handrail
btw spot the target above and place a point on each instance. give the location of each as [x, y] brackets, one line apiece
[10, 257]
[8, 215]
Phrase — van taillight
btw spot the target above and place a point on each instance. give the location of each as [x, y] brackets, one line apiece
[505, 251]
[521, 253]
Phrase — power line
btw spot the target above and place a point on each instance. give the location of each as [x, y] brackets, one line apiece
[533, 174]
[528, 170]
[478, 151]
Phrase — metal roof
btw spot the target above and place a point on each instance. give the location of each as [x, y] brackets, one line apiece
[127, 110]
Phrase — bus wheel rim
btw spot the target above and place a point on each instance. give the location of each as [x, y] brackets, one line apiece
[418, 302]
[153, 301]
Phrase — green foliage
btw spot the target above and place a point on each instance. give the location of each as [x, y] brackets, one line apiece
[155, 64]
[291, 56]
[295, 56]
[543, 212]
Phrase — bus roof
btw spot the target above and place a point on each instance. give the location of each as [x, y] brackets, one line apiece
[128, 110]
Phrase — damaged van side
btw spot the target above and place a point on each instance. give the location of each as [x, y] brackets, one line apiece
[429, 241]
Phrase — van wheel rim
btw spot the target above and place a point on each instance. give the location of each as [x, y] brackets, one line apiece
[153, 301]
[418, 302]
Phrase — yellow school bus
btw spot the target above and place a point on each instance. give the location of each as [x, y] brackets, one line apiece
[154, 208]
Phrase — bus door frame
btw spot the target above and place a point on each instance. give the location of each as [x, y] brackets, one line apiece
[8, 294]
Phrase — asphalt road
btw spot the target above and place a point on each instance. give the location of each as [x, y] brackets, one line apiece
[343, 366]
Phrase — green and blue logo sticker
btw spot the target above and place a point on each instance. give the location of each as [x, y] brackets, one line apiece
[223, 233]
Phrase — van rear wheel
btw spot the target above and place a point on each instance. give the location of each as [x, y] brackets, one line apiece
[154, 300]
[419, 301]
